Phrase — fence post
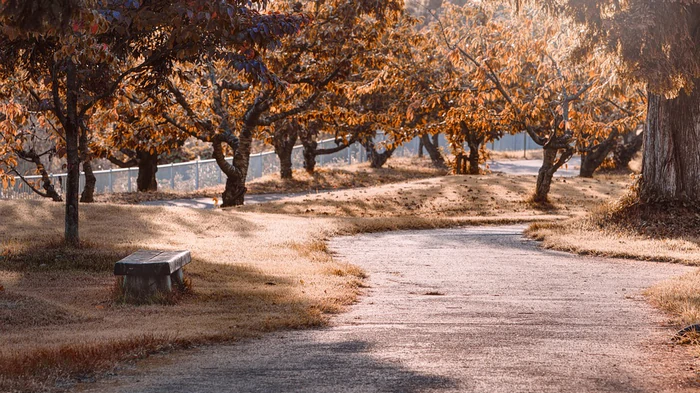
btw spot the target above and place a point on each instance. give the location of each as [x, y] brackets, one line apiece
[349, 156]
[128, 171]
[109, 179]
[196, 175]
[172, 176]
[260, 164]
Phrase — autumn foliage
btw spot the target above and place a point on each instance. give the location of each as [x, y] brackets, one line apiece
[130, 81]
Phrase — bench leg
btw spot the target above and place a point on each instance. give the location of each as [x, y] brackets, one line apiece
[144, 286]
[178, 278]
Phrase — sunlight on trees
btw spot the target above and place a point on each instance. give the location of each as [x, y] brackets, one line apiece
[129, 82]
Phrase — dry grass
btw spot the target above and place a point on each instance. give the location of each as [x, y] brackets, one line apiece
[625, 229]
[252, 272]
[496, 196]
[680, 297]
[325, 178]
[76, 359]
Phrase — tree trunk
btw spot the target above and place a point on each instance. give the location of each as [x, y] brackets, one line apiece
[474, 159]
[285, 156]
[47, 185]
[671, 162]
[420, 148]
[309, 153]
[550, 164]
[88, 195]
[432, 149]
[377, 159]
[283, 141]
[595, 155]
[71, 128]
[235, 191]
[461, 164]
[72, 236]
[236, 174]
[474, 141]
[148, 167]
[588, 165]
[626, 149]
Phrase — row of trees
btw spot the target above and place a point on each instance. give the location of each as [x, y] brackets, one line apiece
[130, 80]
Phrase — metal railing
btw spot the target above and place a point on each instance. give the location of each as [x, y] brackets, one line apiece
[200, 174]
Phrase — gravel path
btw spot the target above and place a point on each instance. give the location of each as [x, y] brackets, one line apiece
[463, 310]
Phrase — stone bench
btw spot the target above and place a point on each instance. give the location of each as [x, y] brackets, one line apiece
[149, 272]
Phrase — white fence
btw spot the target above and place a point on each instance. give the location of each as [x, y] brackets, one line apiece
[199, 174]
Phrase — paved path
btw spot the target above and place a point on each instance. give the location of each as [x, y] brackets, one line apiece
[532, 167]
[463, 310]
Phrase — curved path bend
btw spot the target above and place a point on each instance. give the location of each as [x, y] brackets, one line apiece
[460, 310]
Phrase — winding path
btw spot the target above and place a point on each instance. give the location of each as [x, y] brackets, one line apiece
[461, 310]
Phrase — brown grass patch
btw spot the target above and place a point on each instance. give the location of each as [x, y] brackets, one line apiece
[627, 229]
[59, 303]
[21, 311]
[52, 254]
[50, 365]
[494, 195]
[680, 297]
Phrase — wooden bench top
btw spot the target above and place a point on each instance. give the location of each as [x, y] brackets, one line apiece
[152, 263]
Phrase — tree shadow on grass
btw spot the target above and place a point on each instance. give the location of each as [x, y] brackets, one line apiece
[228, 302]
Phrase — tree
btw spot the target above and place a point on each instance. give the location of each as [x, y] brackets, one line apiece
[212, 102]
[132, 136]
[615, 115]
[656, 43]
[283, 140]
[78, 55]
[627, 147]
[24, 140]
[524, 60]
[344, 40]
